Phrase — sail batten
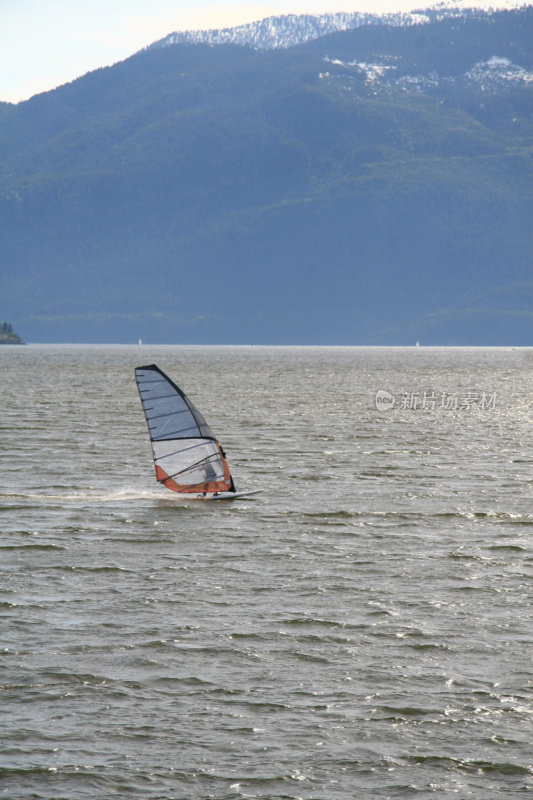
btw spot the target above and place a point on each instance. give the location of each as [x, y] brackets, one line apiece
[168, 414]
[162, 397]
[188, 469]
[185, 449]
[167, 436]
[187, 455]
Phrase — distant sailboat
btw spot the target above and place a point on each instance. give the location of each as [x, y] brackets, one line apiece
[187, 456]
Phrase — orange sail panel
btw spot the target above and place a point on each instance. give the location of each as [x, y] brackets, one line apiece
[187, 456]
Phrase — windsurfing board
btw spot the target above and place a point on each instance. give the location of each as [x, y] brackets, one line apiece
[218, 496]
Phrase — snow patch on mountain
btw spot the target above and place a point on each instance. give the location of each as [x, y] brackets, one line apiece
[489, 76]
[497, 72]
[373, 71]
[492, 75]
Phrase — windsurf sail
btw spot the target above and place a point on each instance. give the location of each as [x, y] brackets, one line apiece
[187, 455]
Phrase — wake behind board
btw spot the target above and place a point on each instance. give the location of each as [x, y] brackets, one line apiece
[188, 458]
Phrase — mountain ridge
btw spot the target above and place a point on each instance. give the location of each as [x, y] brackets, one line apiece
[287, 30]
[291, 30]
[228, 194]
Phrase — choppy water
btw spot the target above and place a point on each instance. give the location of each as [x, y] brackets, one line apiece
[361, 629]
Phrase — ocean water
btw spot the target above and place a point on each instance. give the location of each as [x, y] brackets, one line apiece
[359, 629]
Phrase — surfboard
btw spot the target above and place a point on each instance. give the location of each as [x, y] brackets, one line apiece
[228, 495]
[218, 496]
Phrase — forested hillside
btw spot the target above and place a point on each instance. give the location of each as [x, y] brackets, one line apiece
[372, 186]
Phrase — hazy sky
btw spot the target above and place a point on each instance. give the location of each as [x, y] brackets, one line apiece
[44, 43]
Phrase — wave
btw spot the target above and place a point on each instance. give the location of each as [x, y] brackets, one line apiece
[476, 766]
[416, 516]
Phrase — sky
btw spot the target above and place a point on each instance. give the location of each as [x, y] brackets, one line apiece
[45, 43]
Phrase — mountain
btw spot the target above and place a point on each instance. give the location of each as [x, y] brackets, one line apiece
[370, 186]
